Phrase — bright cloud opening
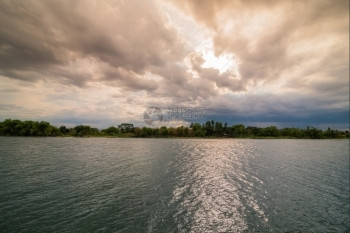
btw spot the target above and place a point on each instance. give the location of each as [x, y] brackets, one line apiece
[222, 63]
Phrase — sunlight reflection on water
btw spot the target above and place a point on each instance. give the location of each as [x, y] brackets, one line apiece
[173, 185]
[213, 184]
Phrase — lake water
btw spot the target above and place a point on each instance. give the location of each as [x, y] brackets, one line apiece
[173, 185]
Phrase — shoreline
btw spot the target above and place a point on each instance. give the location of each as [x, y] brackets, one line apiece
[133, 137]
[209, 130]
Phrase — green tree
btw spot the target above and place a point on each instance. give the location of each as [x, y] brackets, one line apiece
[164, 131]
[171, 131]
[85, 130]
[180, 131]
[270, 131]
[312, 132]
[111, 131]
[237, 130]
[209, 128]
[218, 129]
[63, 130]
[126, 128]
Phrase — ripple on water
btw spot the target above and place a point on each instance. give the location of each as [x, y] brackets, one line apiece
[173, 185]
[213, 189]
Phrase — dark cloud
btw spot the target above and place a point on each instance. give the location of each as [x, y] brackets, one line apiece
[292, 56]
[128, 79]
[180, 85]
[275, 27]
[46, 38]
[284, 110]
[115, 42]
[301, 46]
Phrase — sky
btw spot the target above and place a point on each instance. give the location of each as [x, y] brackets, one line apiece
[106, 62]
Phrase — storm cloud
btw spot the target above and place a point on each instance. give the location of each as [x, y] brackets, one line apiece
[84, 41]
[282, 58]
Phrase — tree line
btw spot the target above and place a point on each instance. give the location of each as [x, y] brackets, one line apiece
[11, 127]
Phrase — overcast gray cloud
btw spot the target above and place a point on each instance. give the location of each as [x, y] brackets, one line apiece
[282, 57]
[120, 39]
[270, 38]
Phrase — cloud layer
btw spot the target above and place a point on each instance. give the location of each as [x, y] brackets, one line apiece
[60, 60]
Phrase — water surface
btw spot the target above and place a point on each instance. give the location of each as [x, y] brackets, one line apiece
[173, 185]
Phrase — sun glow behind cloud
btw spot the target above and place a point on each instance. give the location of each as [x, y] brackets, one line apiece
[221, 63]
[237, 58]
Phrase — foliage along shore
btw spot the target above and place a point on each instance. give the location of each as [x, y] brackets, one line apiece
[210, 129]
